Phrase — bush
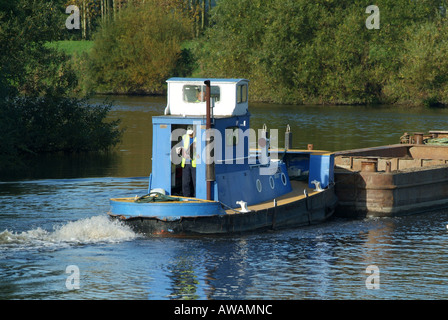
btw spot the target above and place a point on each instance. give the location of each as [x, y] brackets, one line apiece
[38, 113]
[49, 124]
[139, 49]
[423, 77]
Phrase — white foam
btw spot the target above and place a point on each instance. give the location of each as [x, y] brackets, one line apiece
[90, 230]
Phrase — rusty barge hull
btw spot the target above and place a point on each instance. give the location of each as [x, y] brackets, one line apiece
[391, 180]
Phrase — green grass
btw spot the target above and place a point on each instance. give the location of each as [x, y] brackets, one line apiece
[72, 47]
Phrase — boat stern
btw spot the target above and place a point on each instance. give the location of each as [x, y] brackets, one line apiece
[172, 209]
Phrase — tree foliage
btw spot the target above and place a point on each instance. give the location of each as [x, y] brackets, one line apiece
[423, 75]
[95, 12]
[302, 51]
[139, 50]
[37, 111]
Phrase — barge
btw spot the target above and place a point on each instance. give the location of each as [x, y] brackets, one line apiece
[402, 179]
[205, 136]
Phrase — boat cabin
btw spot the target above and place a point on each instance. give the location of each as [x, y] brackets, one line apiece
[186, 97]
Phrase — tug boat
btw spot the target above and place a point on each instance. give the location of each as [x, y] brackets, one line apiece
[237, 188]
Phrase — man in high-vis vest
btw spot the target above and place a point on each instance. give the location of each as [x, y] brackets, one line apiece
[189, 163]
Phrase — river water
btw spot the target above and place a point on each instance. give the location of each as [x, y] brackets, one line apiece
[56, 242]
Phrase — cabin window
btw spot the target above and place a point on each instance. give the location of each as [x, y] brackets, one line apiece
[232, 136]
[241, 93]
[196, 93]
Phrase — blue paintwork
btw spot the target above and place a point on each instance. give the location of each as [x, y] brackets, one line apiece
[161, 164]
[242, 185]
[321, 169]
[166, 210]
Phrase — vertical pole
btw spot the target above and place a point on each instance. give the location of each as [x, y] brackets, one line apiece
[210, 169]
[418, 138]
[207, 101]
[288, 138]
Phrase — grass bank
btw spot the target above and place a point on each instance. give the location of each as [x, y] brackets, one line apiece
[72, 47]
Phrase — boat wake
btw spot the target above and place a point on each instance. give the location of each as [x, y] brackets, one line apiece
[97, 229]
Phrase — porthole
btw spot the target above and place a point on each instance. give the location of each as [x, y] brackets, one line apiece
[271, 182]
[259, 187]
[284, 181]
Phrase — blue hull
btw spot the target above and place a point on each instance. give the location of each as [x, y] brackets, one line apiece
[168, 211]
[316, 208]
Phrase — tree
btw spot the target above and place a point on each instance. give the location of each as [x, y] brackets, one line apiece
[423, 76]
[38, 113]
[95, 12]
[300, 51]
[139, 50]
[24, 29]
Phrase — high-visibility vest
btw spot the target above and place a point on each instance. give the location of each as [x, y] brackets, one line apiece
[186, 140]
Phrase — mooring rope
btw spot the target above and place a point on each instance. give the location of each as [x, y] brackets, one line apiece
[156, 197]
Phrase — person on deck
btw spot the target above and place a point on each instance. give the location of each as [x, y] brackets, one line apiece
[189, 163]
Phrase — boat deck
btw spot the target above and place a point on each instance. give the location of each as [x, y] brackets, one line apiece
[297, 193]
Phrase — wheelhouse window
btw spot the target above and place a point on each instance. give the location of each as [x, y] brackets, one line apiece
[241, 93]
[196, 93]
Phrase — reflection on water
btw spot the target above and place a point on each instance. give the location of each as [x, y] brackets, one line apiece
[54, 216]
[326, 127]
[337, 128]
